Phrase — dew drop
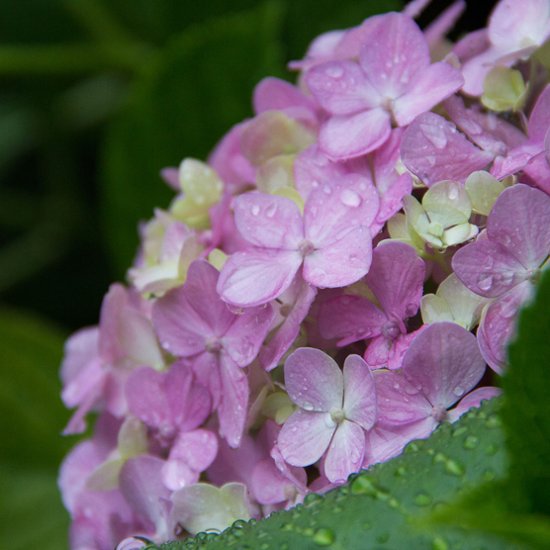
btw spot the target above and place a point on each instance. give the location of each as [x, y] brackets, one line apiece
[324, 537]
[423, 499]
[255, 210]
[270, 212]
[439, 544]
[327, 190]
[454, 468]
[471, 442]
[458, 391]
[430, 160]
[350, 198]
[334, 71]
[485, 281]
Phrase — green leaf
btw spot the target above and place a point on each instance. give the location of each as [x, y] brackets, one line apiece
[385, 506]
[526, 411]
[199, 87]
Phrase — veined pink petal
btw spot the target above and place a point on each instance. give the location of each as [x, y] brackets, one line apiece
[396, 278]
[332, 210]
[394, 53]
[197, 449]
[302, 297]
[341, 88]
[488, 268]
[245, 336]
[234, 401]
[305, 437]
[497, 325]
[473, 399]
[445, 362]
[359, 392]
[436, 31]
[312, 168]
[270, 486]
[345, 453]
[486, 129]
[476, 69]
[399, 401]
[538, 170]
[433, 150]
[539, 119]
[431, 86]
[385, 442]
[350, 318]
[520, 222]
[347, 136]
[342, 262]
[313, 380]
[268, 221]
[206, 369]
[256, 276]
[274, 94]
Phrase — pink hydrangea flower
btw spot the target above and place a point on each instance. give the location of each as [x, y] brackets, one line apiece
[396, 279]
[193, 323]
[503, 263]
[335, 409]
[331, 241]
[394, 80]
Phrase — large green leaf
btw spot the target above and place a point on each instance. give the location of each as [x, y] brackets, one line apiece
[518, 507]
[31, 419]
[385, 506]
[194, 92]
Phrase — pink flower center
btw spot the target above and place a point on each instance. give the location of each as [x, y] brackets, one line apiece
[213, 346]
[391, 330]
[306, 247]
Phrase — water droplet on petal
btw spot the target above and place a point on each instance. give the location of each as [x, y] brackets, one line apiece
[324, 537]
[458, 391]
[485, 281]
[270, 212]
[255, 210]
[350, 198]
[334, 71]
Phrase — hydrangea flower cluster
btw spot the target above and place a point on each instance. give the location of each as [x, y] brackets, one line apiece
[329, 286]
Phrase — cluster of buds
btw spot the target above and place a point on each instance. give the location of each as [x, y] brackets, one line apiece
[339, 278]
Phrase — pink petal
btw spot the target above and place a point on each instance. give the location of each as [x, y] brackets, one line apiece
[345, 453]
[313, 380]
[399, 402]
[197, 449]
[247, 333]
[350, 318]
[539, 119]
[348, 136]
[333, 210]
[268, 221]
[342, 262]
[312, 168]
[388, 351]
[80, 349]
[513, 23]
[177, 474]
[229, 162]
[385, 442]
[359, 393]
[272, 352]
[487, 130]
[396, 278]
[498, 325]
[538, 170]
[433, 85]
[341, 88]
[487, 268]
[394, 53]
[269, 485]
[234, 401]
[142, 486]
[257, 276]
[206, 369]
[433, 150]
[274, 94]
[475, 70]
[520, 222]
[305, 437]
[445, 362]
[473, 399]
[436, 31]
